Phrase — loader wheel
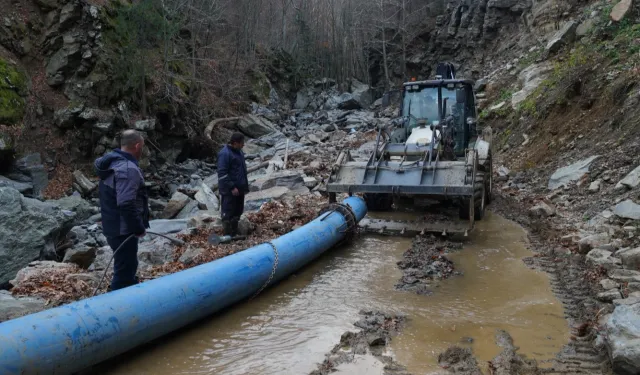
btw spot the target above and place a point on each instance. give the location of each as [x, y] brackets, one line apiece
[378, 202]
[479, 200]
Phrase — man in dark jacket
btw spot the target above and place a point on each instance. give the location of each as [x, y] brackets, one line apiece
[232, 183]
[124, 205]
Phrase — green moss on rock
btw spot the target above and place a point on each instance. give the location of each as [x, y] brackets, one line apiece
[13, 89]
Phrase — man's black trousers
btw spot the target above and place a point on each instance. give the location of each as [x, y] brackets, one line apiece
[231, 208]
[125, 261]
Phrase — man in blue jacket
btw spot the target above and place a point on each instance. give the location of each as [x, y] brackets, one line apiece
[232, 183]
[124, 205]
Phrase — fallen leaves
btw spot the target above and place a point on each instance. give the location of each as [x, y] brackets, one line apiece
[60, 183]
[55, 286]
[273, 220]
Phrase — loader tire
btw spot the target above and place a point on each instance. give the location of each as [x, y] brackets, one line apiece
[479, 200]
[378, 202]
[489, 182]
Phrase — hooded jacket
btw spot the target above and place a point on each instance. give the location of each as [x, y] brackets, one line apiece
[232, 171]
[124, 203]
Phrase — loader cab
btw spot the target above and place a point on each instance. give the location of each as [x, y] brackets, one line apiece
[434, 101]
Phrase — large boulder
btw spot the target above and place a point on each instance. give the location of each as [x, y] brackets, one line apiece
[630, 181]
[28, 230]
[593, 241]
[83, 209]
[314, 138]
[562, 37]
[102, 259]
[30, 166]
[285, 178]
[277, 145]
[82, 255]
[542, 209]
[164, 226]
[627, 209]
[82, 184]
[630, 258]
[205, 220]
[571, 173]
[603, 258]
[190, 210]
[344, 101]
[623, 339]
[585, 27]
[64, 61]
[145, 125]
[69, 15]
[175, 205]
[12, 307]
[40, 270]
[67, 117]
[303, 98]
[361, 93]
[254, 200]
[156, 252]
[625, 276]
[530, 78]
[22, 187]
[207, 198]
[255, 126]
[620, 10]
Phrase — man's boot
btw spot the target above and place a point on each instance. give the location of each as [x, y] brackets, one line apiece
[234, 228]
[227, 227]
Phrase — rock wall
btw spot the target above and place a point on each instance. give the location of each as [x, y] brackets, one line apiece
[477, 36]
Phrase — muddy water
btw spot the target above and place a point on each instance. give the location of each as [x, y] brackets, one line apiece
[289, 328]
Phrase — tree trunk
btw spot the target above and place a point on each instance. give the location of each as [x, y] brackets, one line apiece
[404, 41]
[143, 93]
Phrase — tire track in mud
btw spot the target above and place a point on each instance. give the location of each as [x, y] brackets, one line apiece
[570, 282]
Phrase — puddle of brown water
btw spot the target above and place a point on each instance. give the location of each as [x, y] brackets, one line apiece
[289, 328]
[497, 291]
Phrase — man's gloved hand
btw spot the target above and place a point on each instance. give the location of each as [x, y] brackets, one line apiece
[235, 192]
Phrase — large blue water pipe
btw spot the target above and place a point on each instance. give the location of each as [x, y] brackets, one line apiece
[78, 335]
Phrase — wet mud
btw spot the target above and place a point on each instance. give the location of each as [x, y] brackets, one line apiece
[460, 361]
[425, 262]
[377, 329]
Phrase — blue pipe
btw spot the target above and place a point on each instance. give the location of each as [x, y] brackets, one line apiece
[78, 335]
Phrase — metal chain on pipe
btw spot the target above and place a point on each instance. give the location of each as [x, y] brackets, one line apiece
[273, 271]
[351, 226]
